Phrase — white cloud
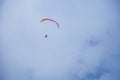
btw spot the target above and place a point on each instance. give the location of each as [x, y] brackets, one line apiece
[77, 49]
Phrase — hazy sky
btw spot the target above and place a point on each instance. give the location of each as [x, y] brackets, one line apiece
[86, 47]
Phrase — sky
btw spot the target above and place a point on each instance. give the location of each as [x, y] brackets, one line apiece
[85, 47]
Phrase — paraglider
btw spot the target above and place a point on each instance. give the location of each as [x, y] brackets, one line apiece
[47, 19]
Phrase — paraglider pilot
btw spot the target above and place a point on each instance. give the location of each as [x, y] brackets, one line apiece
[46, 36]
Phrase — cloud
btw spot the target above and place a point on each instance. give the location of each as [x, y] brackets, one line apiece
[86, 47]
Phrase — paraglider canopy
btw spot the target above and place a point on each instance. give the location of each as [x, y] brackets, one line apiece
[47, 19]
